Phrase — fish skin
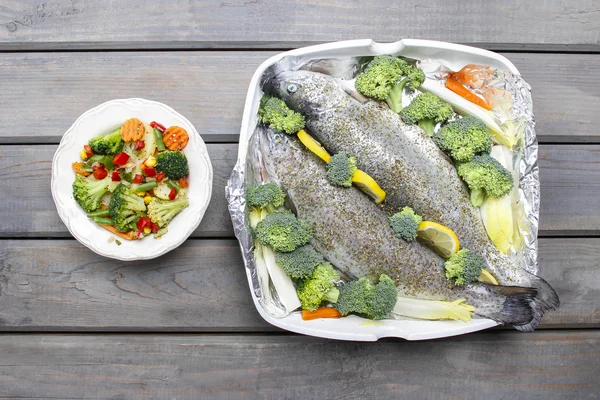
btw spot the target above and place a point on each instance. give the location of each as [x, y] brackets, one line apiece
[405, 162]
[353, 233]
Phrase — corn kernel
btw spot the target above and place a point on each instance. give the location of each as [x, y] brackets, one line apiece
[151, 161]
[83, 155]
[147, 230]
[147, 199]
[141, 194]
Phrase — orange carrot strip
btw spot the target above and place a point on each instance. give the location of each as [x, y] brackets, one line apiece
[78, 168]
[462, 91]
[124, 235]
[321, 312]
[183, 183]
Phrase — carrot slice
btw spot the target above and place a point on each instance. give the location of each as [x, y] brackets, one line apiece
[124, 235]
[78, 168]
[183, 183]
[321, 312]
[462, 91]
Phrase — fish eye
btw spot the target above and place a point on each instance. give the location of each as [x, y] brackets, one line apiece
[292, 88]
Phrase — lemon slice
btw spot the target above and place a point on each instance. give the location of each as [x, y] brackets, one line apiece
[486, 277]
[368, 185]
[313, 145]
[439, 238]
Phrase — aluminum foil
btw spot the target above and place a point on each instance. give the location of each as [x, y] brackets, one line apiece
[520, 113]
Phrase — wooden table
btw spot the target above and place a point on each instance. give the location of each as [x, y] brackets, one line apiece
[76, 325]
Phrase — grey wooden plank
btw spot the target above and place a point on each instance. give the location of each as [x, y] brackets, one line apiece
[28, 24]
[569, 207]
[545, 365]
[50, 90]
[59, 285]
[30, 211]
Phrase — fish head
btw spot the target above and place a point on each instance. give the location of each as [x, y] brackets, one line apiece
[306, 92]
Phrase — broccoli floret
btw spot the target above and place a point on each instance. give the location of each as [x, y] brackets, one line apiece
[464, 138]
[275, 113]
[173, 163]
[125, 208]
[485, 176]
[161, 212]
[109, 144]
[283, 231]
[268, 196]
[319, 287]
[426, 110]
[88, 192]
[381, 80]
[340, 169]
[405, 223]
[464, 266]
[300, 263]
[382, 300]
[362, 297]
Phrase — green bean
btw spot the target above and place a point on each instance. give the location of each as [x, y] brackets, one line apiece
[160, 145]
[174, 185]
[103, 221]
[146, 186]
[99, 213]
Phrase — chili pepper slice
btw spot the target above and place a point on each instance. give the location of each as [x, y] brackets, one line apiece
[137, 179]
[158, 126]
[121, 159]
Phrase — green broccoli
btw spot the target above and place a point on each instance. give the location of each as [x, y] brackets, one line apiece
[283, 231]
[125, 208]
[381, 80]
[300, 263]
[161, 212]
[109, 144]
[340, 169]
[268, 196]
[485, 176]
[463, 138]
[426, 110]
[275, 113]
[88, 191]
[173, 163]
[364, 298]
[405, 223]
[319, 287]
[464, 266]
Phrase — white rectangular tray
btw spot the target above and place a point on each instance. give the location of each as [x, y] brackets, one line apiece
[353, 327]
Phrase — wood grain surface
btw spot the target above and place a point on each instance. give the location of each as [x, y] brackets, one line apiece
[87, 24]
[59, 285]
[540, 365]
[51, 90]
[569, 206]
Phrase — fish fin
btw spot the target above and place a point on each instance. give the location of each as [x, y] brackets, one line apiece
[545, 300]
[510, 304]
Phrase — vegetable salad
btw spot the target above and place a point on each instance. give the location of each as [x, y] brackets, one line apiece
[132, 181]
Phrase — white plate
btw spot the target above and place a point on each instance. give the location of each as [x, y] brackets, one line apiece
[103, 119]
[355, 328]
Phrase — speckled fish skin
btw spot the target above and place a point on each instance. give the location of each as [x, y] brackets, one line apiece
[353, 233]
[404, 161]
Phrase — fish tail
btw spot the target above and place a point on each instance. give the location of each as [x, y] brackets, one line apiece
[507, 304]
[546, 299]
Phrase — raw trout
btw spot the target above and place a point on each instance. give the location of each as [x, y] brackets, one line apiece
[353, 233]
[405, 162]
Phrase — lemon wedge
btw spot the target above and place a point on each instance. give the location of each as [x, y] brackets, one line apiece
[313, 145]
[439, 238]
[486, 277]
[368, 185]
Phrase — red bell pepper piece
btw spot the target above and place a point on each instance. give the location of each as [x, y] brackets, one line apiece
[139, 145]
[121, 159]
[99, 171]
[137, 179]
[158, 126]
[150, 172]
[160, 176]
[88, 150]
[172, 194]
[154, 228]
[143, 222]
[116, 176]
